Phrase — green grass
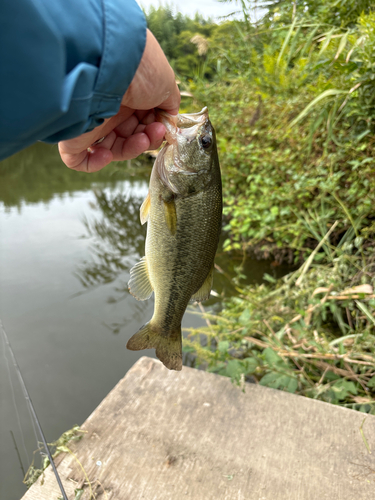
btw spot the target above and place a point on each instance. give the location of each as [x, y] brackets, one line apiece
[311, 333]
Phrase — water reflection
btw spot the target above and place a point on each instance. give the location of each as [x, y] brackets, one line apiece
[118, 238]
[117, 242]
[37, 174]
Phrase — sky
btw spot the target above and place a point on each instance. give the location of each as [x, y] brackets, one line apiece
[208, 8]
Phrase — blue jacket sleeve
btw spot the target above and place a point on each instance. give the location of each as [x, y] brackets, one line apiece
[64, 66]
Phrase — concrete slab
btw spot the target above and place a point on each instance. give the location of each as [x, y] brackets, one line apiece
[162, 435]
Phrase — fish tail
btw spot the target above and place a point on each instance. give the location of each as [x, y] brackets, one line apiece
[168, 349]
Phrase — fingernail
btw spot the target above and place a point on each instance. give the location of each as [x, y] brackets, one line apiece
[99, 140]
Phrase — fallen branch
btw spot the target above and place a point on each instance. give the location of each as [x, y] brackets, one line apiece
[331, 357]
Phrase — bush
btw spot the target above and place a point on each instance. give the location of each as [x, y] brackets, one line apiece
[294, 131]
[311, 333]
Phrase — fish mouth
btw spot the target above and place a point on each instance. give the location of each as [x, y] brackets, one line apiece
[190, 119]
[181, 130]
[187, 125]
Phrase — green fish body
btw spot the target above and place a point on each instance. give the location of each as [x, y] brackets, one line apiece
[183, 212]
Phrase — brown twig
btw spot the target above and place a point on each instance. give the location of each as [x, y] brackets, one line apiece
[256, 342]
[349, 297]
[355, 377]
[323, 375]
[272, 331]
[349, 318]
[208, 322]
[310, 310]
[332, 357]
[290, 336]
[331, 368]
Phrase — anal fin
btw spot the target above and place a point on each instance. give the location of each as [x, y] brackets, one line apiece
[139, 284]
[205, 290]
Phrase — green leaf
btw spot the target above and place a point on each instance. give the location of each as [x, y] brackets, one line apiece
[371, 382]
[366, 311]
[271, 379]
[342, 44]
[218, 368]
[245, 317]
[277, 380]
[342, 388]
[188, 348]
[63, 449]
[223, 346]
[268, 277]
[234, 368]
[309, 40]
[323, 95]
[326, 41]
[251, 364]
[78, 493]
[272, 359]
[287, 38]
[292, 385]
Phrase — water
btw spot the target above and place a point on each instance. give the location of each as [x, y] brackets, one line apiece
[67, 242]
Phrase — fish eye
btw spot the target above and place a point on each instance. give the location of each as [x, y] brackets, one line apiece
[206, 141]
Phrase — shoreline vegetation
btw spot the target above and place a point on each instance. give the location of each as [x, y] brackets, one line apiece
[290, 90]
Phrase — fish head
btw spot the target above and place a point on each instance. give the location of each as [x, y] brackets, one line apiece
[188, 160]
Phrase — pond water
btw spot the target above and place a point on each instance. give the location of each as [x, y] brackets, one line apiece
[67, 242]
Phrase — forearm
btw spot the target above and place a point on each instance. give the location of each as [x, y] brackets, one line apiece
[65, 66]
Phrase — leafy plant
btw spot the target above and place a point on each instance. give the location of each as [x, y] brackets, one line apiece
[310, 333]
[58, 446]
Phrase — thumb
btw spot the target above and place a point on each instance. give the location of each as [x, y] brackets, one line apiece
[172, 103]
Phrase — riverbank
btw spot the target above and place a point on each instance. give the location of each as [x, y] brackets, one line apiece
[309, 333]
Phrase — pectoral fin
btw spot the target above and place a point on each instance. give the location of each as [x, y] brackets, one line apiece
[145, 208]
[204, 292]
[139, 284]
[170, 215]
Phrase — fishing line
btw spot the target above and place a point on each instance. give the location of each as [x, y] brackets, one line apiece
[16, 407]
[18, 453]
[14, 401]
[32, 410]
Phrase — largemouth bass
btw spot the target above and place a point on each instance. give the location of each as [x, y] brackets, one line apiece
[183, 211]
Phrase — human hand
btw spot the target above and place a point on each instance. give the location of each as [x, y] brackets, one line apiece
[133, 129]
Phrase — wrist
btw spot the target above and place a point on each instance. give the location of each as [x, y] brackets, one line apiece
[153, 84]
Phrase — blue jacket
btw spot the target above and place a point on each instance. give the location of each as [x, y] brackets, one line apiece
[64, 66]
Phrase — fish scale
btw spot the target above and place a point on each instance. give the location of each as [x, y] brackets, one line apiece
[183, 212]
[185, 262]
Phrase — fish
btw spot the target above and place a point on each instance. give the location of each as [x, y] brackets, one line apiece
[183, 211]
